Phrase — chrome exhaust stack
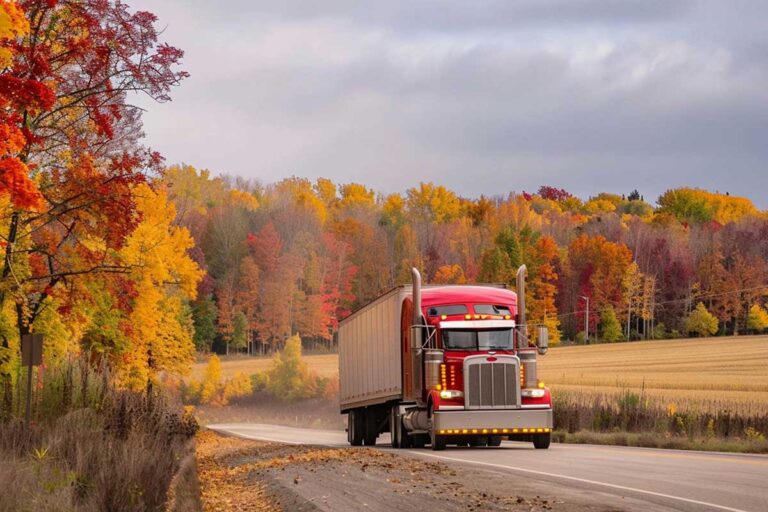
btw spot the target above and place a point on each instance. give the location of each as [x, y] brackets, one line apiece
[522, 328]
[417, 338]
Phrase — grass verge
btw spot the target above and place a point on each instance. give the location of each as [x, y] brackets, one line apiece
[653, 440]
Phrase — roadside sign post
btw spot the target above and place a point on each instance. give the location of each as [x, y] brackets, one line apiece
[31, 355]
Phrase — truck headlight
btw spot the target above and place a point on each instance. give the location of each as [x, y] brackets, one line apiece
[448, 394]
[533, 393]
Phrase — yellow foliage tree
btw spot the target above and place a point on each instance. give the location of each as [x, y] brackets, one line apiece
[165, 278]
[758, 318]
[449, 274]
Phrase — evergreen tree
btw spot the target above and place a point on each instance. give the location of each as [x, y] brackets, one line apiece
[610, 329]
[204, 315]
[239, 331]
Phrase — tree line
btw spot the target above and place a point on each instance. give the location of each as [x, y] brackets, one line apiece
[297, 255]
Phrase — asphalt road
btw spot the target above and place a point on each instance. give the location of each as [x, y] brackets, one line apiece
[673, 479]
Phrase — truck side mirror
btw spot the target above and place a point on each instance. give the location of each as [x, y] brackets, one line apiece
[543, 340]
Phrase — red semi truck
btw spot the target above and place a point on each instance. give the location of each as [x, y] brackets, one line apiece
[443, 365]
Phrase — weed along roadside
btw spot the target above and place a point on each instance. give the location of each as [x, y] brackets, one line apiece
[93, 446]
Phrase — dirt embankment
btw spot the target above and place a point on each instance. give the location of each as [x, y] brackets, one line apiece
[245, 475]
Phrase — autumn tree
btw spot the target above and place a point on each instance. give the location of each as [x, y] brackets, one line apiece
[701, 321]
[65, 87]
[599, 267]
[165, 279]
[758, 318]
[449, 274]
[541, 261]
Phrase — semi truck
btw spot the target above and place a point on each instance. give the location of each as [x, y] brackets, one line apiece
[444, 365]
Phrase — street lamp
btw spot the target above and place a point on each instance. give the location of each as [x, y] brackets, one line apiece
[586, 319]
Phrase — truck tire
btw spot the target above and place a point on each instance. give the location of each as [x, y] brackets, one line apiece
[494, 440]
[396, 433]
[439, 442]
[371, 429]
[355, 427]
[478, 441]
[541, 441]
[418, 440]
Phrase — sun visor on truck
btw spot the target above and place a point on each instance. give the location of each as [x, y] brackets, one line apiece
[477, 324]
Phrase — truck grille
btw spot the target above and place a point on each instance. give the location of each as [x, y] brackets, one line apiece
[492, 385]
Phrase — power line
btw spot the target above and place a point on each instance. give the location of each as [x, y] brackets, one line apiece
[673, 301]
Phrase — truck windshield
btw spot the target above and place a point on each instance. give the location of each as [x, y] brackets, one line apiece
[464, 339]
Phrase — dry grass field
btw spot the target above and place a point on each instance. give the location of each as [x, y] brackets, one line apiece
[709, 372]
[706, 374]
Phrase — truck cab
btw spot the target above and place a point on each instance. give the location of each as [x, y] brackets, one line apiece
[479, 381]
[443, 365]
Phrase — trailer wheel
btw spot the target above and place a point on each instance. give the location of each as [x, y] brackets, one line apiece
[371, 429]
[541, 441]
[494, 440]
[355, 427]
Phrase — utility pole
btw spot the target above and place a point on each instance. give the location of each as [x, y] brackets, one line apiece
[586, 320]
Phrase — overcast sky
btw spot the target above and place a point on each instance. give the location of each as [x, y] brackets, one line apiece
[482, 96]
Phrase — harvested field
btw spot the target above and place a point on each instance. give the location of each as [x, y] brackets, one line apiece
[707, 374]
[716, 364]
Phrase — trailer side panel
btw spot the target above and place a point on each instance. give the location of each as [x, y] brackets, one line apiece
[369, 353]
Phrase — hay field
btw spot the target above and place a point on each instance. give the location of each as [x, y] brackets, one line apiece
[708, 374]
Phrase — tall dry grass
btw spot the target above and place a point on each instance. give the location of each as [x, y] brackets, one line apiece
[92, 447]
[631, 412]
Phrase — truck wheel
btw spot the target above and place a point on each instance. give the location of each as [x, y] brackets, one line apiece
[371, 432]
[438, 442]
[541, 441]
[355, 427]
[396, 433]
[418, 440]
[494, 440]
[478, 441]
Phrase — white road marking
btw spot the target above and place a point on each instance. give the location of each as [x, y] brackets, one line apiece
[582, 480]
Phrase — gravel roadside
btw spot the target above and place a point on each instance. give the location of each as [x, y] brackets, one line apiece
[238, 474]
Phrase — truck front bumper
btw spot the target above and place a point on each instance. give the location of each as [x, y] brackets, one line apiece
[492, 421]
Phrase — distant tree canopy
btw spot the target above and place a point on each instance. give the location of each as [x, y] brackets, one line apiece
[303, 254]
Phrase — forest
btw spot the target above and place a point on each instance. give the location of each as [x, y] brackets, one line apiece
[298, 255]
[110, 252]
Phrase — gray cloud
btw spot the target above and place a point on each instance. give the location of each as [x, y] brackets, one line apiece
[485, 97]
